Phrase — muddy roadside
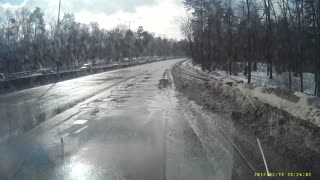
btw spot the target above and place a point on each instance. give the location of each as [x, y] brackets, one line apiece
[291, 144]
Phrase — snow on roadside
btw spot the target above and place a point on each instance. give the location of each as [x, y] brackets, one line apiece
[272, 92]
[261, 78]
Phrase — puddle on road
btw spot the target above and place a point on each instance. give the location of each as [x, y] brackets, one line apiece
[121, 99]
[81, 129]
[80, 121]
[105, 79]
[129, 85]
[164, 82]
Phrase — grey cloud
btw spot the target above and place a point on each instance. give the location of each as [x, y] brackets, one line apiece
[95, 6]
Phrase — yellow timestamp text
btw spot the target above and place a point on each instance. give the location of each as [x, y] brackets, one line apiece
[283, 174]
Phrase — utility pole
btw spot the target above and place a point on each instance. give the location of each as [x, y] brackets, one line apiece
[58, 23]
[57, 38]
[129, 22]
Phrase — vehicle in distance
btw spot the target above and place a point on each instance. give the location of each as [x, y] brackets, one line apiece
[86, 66]
[2, 77]
[45, 71]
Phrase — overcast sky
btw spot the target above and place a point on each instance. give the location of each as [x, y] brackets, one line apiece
[156, 16]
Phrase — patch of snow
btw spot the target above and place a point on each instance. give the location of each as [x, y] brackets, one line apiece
[307, 107]
[261, 78]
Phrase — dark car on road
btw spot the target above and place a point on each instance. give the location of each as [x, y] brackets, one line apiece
[45, 71]
[2, 77]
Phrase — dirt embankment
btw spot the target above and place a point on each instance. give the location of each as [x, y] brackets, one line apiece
[289, 136]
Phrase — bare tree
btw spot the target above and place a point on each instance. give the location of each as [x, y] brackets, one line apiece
[185, 26]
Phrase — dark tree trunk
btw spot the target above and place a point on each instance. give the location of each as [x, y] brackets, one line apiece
[301, 81]
[255, 67]
[249, 41]
[290, 79]
[202, 42]
[316, 84]
[249, 72]
[270, 69]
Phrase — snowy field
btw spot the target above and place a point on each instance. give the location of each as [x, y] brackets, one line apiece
[261, 78]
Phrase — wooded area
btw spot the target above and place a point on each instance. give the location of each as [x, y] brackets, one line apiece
[29, 42]
[285, 34]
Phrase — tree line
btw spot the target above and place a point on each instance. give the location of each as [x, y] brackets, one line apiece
[285, 34]
[30, 42]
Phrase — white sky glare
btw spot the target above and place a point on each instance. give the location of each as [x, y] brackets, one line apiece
[156, 16]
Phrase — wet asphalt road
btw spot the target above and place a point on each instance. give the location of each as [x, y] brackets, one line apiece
[114, 125]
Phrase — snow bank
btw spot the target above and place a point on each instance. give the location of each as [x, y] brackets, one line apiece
[300, 105]
[286, 121]
[261, 78]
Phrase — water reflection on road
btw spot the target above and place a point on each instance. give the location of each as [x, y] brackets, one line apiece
[136, 129]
